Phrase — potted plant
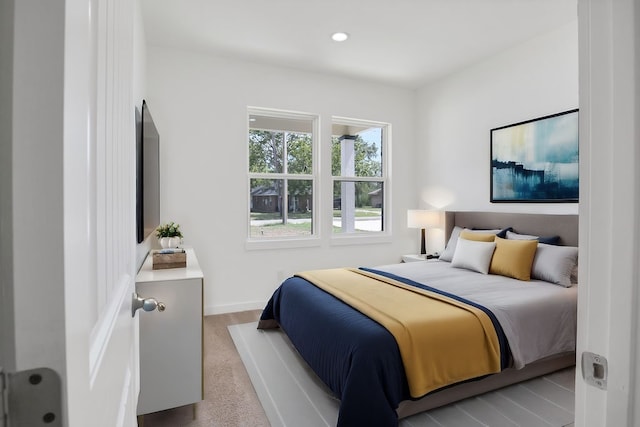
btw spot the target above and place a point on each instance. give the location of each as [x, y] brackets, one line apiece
[169, 235]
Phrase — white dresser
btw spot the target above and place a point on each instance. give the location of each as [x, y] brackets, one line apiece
[171, 340]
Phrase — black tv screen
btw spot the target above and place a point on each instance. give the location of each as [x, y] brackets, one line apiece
[147, 174]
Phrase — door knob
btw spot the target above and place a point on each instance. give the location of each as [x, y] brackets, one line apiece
[147, 304]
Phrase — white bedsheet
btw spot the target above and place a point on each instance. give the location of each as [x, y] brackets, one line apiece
[538, 318]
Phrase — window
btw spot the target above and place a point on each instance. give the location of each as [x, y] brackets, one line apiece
[359, 171]
[281, 174]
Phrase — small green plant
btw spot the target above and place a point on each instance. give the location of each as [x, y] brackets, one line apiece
[168, 230]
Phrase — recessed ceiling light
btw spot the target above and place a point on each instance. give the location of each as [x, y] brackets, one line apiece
[339, 37]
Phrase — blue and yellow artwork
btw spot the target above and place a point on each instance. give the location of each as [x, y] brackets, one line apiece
[536, 160]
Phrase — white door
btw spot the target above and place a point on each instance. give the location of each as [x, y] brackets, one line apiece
[68, 272]
[99, 213]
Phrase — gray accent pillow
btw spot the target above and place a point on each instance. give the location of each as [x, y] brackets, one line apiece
[554, 264]
[574, 274]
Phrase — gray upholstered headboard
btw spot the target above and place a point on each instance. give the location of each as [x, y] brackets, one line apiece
[565, 226]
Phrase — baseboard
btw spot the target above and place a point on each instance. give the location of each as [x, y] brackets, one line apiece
[233, 308]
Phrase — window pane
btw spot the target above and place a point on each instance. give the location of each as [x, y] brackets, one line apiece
[267, 135]
[268, 196]
[357, 153]
[300, 192]
[357, 206]
[265, 151]
[281, 162]
[299, 149]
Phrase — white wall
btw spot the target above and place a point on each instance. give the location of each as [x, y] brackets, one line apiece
[455, 115]
[139, 91]
[36, 197]
[194, 97]
[199, 104]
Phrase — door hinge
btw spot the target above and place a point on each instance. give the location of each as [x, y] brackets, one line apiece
[31, 398]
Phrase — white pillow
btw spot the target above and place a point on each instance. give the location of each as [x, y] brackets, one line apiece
[551, 240]
[473, 255]
[450, 249]
[516, 236]
[554, 264]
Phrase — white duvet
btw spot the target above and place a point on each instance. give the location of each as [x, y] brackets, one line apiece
[538, 318]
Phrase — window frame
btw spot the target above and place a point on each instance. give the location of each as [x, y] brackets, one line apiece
[286, 241]
[385, 235]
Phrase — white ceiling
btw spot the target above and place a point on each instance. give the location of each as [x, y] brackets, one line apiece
[400, 42]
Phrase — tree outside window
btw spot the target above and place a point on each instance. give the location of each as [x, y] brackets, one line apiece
[281, 174]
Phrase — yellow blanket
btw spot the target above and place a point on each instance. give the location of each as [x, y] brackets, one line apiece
[442, 341]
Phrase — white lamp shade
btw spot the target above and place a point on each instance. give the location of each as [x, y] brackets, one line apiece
[418, 218]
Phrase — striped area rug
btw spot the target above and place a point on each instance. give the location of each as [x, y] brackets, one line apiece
[292, 395]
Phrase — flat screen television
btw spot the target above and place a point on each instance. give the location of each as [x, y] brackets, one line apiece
[147, 174]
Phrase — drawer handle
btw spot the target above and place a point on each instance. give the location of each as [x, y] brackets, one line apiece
[147, 304]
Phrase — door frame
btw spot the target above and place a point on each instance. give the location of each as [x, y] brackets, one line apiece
[609, 209]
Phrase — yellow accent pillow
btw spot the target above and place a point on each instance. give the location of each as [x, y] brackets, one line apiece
[513, 258]
[478, 237]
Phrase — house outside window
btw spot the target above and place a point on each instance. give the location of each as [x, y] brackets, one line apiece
[282, 158]
[359, 173]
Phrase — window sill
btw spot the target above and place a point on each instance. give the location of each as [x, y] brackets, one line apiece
[282, 243]
[359, 239]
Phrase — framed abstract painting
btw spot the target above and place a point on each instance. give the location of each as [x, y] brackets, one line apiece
[536, 160]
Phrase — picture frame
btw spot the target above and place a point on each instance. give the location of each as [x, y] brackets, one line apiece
[536, 161]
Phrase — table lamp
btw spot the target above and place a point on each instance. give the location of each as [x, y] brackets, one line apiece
[423, 219]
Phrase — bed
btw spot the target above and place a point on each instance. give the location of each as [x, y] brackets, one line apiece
[398, 339]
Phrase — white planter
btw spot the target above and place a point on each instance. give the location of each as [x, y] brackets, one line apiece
[169, 242]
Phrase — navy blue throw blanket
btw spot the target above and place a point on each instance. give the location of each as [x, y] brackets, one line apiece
[356, 357]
